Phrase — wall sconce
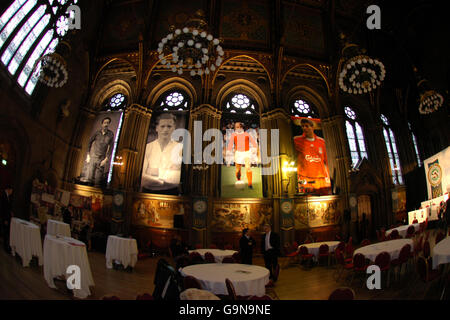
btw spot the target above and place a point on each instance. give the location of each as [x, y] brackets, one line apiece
[118, 162]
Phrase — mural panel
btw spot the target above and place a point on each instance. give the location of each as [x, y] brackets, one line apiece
[160, 213]
[233, 217]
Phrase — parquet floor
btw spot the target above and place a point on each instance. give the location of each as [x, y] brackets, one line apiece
[295, 282]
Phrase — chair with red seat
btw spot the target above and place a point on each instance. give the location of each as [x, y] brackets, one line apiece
[343, 293]
[395, 234]
[349, 251]
[213, 246]
[228, 247]
[440, 236]
[415, 221]
[365, 242]
[292, 257]
[198, 246]
[264, 297]
[228, 259]
[324, 253]
[383, 261]
[359, 265]
[236, 257]
[209, 258]
[191, 282]
[145, 296]
[111, 298]
[341, 247]
[230, 288]
[410, 232]
[426, 274]
[195, 258]
[305, 255]
[402, 258]
[341, 263]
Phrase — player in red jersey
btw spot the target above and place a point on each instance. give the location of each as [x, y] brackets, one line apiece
[312, 160]
[242, 156]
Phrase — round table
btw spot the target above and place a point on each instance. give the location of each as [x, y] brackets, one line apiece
[392, 247]
[62, 252]
[248, 280]
[218, 254]
[313, 248]
[25, 240]
[58, 228]
[402, 230]
[122, 249]
[441, 253]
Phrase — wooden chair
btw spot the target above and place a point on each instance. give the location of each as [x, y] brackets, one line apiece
[343, 293]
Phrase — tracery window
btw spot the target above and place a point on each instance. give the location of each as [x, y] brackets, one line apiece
[355, 137]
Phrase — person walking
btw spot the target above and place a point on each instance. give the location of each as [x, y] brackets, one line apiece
[270, 247]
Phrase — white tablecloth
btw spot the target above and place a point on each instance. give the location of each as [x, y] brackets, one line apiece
[59, 228]
[218, 254]
[25, 240]
[403, 229]
[392, 247]
[441, 253]
[62, 252]
[248, 280]
[122, 249]
[313, 248]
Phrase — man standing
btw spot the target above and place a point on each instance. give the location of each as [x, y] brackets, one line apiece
[270, 247]
[163, 158]
[99, 152]
[242, 155]
[246, 244]
[6, 214]
[312, 160]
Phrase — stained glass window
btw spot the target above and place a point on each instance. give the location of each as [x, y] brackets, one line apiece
[391, 146]
[355, 137]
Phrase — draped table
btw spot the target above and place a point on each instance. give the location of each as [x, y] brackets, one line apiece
[441, 253]
[392, 247]
[25, 240]
[248, 280]
[58, 228]
[62, 252]
[313, 248]
[402, 230]
[122, 249]
[218, 254]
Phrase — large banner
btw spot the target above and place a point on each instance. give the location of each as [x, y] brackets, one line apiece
[161, 172]
[312, 163]
[100, 147]
[241, 173]
[437, 171]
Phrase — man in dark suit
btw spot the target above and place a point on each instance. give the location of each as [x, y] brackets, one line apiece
[246, 244]
[6, 214]
[270, 247]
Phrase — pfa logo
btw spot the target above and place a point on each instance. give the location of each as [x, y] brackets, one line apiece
[74, 13]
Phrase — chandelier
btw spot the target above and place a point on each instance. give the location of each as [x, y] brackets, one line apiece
[192, 48]
[360, 73]
[430, 100]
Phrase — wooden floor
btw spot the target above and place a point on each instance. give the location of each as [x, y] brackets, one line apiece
[295, 282]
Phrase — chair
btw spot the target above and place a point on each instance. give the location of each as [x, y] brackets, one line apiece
[228, 259]
[182, 262]
[426, 274]
[394, 234]
[402, 258]
[209, 258]
[110, 298]
[343, 293]
[291, 257]
[228, 247]
[191, 282]
[195, 258]
[410, 232]
[264, 297]
[305, 255]
[365, 242]
[440, 236]
[344, 265]
[383, 261]
[349, 251]
[145, 296]
[212, 246]
[198, 246]
[341, 247]
[230, 288]
[415, 221]
[359, 265]
[324, 252]
[236, 257]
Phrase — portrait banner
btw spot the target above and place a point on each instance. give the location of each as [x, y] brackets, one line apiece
[161, 172]
[287, 214]
[312, 163]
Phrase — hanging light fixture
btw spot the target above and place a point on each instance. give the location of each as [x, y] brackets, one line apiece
[191, 48]
[360, 73]
[430, 100]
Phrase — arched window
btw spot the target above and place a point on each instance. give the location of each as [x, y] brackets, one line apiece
[416, 148]
[174, 100]
[355, 137]
[241, 104]
[391, 146]
[30, 29]
[117, 101]
[302, 108]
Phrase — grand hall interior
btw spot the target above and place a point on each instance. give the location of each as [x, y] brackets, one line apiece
[227, 150]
